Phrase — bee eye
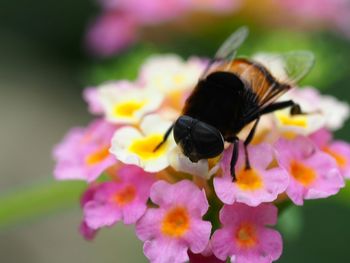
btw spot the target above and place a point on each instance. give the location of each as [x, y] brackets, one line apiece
[182, 128]
[208, 140]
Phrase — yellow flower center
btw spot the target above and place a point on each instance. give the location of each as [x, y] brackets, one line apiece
[97, 156]
[246, 236]
[249, 179]
[125, 196]
[292, 120]
[179, 79]
[144, 147]
[305, 175]
[176, 222]
[128, 108]
[340, 159]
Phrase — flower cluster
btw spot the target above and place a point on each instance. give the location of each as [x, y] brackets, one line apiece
[325, 13]
[118, 25]
[194, 211]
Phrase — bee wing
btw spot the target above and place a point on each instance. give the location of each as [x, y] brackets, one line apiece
[272, 76]
[227, 50]
[288, 67]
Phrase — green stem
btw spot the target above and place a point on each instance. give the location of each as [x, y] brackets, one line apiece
[29, 202]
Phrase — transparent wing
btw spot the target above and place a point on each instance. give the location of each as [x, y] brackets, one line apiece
[271, 75]
[227, 51]
[288, 67]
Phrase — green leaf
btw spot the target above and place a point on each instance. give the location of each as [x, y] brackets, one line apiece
[39, 199]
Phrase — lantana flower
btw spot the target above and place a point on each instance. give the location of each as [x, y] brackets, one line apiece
[261, 183]
[244, 236]
[84, 152]
[177, 225]
[123, 199]
[152, 184]
[133, 146]
[313, 174]
[134, 103]
[120, 22]
[320, 111]
[339, 150]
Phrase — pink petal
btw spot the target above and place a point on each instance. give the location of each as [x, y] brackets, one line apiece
[91, 97]
[133, 212]
[97, 215]
[198, 236]
[221, 242]
[148, 227]
[183, 193]
[87, 232]
[165, 251]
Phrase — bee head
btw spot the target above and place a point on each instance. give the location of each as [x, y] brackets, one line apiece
[197, 140]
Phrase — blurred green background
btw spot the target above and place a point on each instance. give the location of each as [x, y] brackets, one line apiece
[43, 69]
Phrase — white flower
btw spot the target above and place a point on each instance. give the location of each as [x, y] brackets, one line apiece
[203, 168]
[133, 146]
[169, 73]
[321, 111]
[128, 103]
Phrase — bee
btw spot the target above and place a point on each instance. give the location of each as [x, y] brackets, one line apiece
[232, 93]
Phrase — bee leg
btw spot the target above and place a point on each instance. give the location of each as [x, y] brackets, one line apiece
[248, 141]
[295, 108]
[165, 137]
[234, 157]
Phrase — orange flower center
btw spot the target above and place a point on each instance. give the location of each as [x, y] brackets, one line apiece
[125, 196]
[144, 147]
[305, 175]
[246, 236]
[340, 159]
[176, 222]
[97, 156]
[249, 179]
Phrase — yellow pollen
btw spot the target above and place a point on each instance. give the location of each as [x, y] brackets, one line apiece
[144, 147]
[125, 196]
[97, 156]
[340, 159]
[128, 108]
[292, 120]
[305, 175]
[246, 236]
[249, 179]
[176, 222]
[179, 79]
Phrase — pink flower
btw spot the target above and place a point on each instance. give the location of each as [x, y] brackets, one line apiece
[244, 237]
[339, 150]
[149, 11]
[254, 186]
[329, 12]
[110, 33]
[313, 173]
[87, 232]
[84, 154]
[177, 225]
[91, 97]
[122, 200]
